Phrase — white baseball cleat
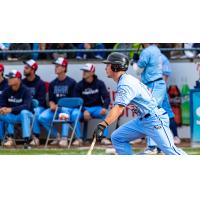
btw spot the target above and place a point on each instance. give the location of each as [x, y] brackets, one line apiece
[63, 142]
[177, 140]
[150, 151]
[105, 141]
[10, 142]
[77, 142]
[110, 151]
[55, 142]
[35, 141]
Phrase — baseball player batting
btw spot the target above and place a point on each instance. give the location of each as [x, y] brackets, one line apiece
[152, 120]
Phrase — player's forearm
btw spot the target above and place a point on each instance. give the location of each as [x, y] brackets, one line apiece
[114, 113]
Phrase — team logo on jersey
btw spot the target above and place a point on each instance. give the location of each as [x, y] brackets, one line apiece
[121, 96]
[61, 90]
[89, 91]
[14, 100]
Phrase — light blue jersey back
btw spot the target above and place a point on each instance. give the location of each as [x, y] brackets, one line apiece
[151, 61]
[132, 93]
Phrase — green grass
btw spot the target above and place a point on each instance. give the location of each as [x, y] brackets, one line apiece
[190, 151]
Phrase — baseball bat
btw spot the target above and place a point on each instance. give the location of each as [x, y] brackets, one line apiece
[92, 146]
[138, 49]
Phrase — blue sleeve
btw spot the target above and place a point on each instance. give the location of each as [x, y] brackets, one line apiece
[51, 93]
[27, 100]
[167, 70]
[125, 94]
[144, 59]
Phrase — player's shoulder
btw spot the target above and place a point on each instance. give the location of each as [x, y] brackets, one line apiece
[54, 81]
[99, 81]
[127, 79]
[152, 49]
[80, 83]
[146, 52]
[24, 88]
[71, 80]
[164, 58]
[7, 90]
[39, 80]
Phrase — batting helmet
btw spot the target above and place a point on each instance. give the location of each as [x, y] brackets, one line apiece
[118, 61]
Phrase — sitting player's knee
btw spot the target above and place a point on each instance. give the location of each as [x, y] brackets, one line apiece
[74, 115]
[25, 112]
[41, 118]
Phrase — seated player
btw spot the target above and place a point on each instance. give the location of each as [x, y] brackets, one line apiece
[60, 87]
[96, 99]
[15, 107]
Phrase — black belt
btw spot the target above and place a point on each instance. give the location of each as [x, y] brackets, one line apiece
[148, 114]
[159, 79]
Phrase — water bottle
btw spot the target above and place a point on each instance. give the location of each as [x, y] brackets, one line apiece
[175, 101]
[185, 103]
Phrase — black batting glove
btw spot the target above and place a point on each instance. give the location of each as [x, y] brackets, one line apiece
[136, 57]
[98, 132]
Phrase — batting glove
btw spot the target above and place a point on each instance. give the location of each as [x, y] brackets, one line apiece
[98, 131]
[136, 57]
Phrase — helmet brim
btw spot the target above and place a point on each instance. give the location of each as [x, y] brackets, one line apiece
[106, 62]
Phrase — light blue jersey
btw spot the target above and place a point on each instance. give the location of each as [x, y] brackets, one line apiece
[152, 122]
[151, 61]
[166, 66]
[132, 93]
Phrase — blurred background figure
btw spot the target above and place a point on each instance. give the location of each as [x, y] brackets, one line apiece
[127, 46]
[91, 55]
[61, 46]
[19, 56]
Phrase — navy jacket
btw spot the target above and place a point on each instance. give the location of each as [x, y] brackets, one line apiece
[60, 89]
[17, 100]
[93, 94]
[37, 89]
[3, 85]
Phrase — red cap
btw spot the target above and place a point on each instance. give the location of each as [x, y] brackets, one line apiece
[14, 74]
[61, 61]
[89, 67]
[31, 63]
[1, 67]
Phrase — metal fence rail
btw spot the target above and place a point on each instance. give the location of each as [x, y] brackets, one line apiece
[90, 50]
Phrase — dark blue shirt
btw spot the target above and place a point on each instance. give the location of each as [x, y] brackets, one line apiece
[37, 89]
[93, 94]
[17, 100]
[60, 89]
